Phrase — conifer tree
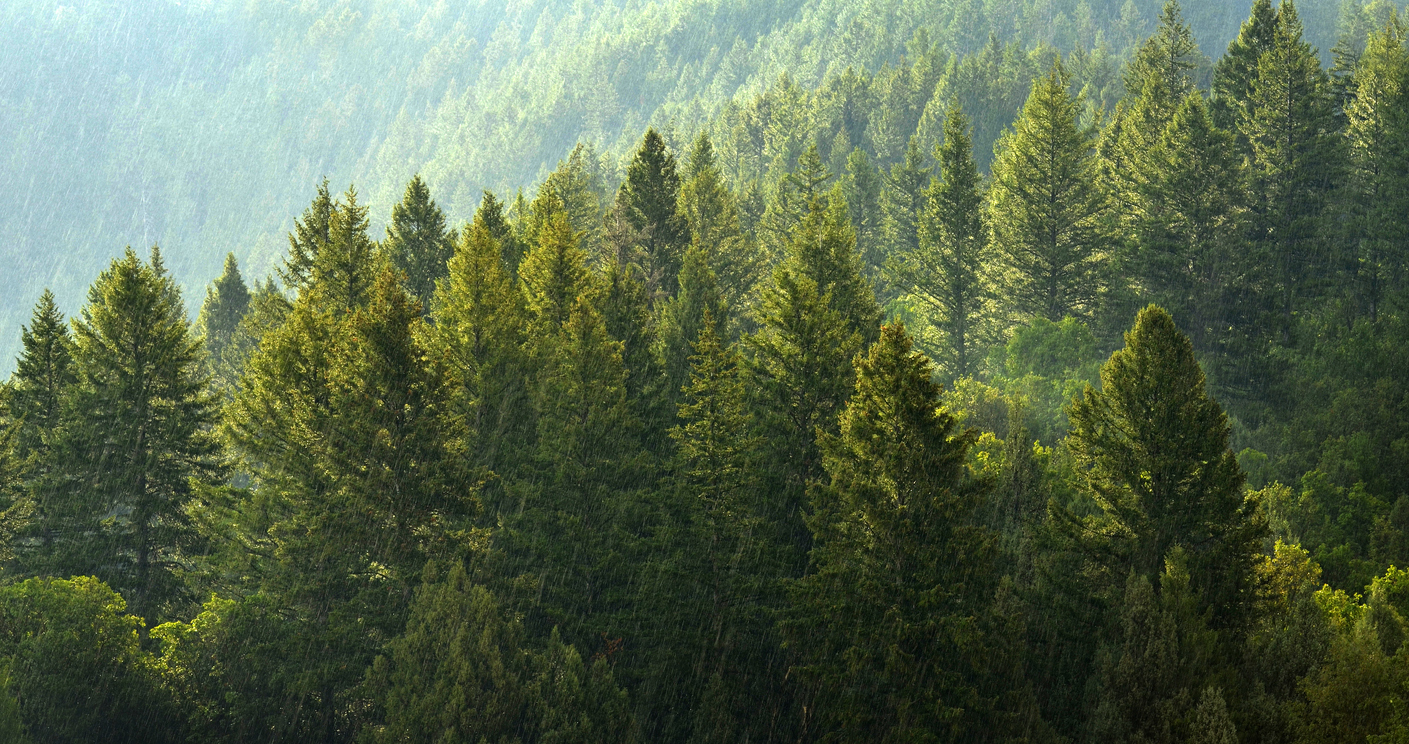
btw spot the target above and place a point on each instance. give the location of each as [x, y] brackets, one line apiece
[1157, 81]
[587, 465]
[1046, 207]
[791, 201]
[683, 320]
[1189, 232]
[417, 241]
[464, 671]
[1378, 138]
[1290, 127]
[553, 274]
[479, 329]
[818, 313]
[1163, 654]
[1236, 70]
[626, 310]
[1153, 449]
[492, 217]
[347, 428]
[886, 615]
[136, 435]
[42, 377]
[903, 202]
[226, 302]
[648, 199]
[711, 213]
[578, 185]
[948, 270]
[311, 233]
[345, 269]
[864, 185]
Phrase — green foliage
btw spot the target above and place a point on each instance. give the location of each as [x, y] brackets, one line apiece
[882, 620]
[648, 200]
[1153, 450]
[417, 242]
[1047, 223]
[226, 302]
[75, 667]
[462, 673]
[134, 435]
[949, 269]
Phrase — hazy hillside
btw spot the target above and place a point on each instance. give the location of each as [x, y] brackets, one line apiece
[203, 126]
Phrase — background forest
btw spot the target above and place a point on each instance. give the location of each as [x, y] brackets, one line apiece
[1044, 390]
[202, 125]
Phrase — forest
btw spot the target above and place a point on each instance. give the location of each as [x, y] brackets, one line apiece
[1006, 396]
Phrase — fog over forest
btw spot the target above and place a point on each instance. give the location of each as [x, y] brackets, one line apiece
[705, 371]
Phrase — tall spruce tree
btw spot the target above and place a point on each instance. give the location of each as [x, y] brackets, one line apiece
[711, 213]
[42, 377]
[135, 439]
[345, 269]
[1046, 205]
[903, 201]
[1378, 184]
[226, 302]
[1236, 70]
[311, 233]
[1153, 449]
[553, 274]
[949, 268]
[818, 313]
[864, 185]
[1290, 125]
[491, 217]
[479, 330]
[683, 319]
[886, 617]
[417, 241]
[648, 199]
[1189, 234]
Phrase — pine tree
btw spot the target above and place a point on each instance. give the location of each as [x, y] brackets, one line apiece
[345, 269]
[815, 317]
[948, 270]
[1189, 231]
[579, 186]
[42, 377]
[886, 616]
[491, 217]
[311, 233]
[1378, 138]
[712, 215]
[1157, 81]
[479, 330]
[347, 426]
[1045, 206]
[226, 302]
[648, 200]
[864, 185]
[683, 319]
[1153, 448]
[465, 672]
[1291, 129]
[135, 437]
[587, 466]
[417, 241]
[553, 274]
[903, 201]
[1236, 71]
[790, 202]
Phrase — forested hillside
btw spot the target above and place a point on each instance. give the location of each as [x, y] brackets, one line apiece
[1030, 394]
[202, 126]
